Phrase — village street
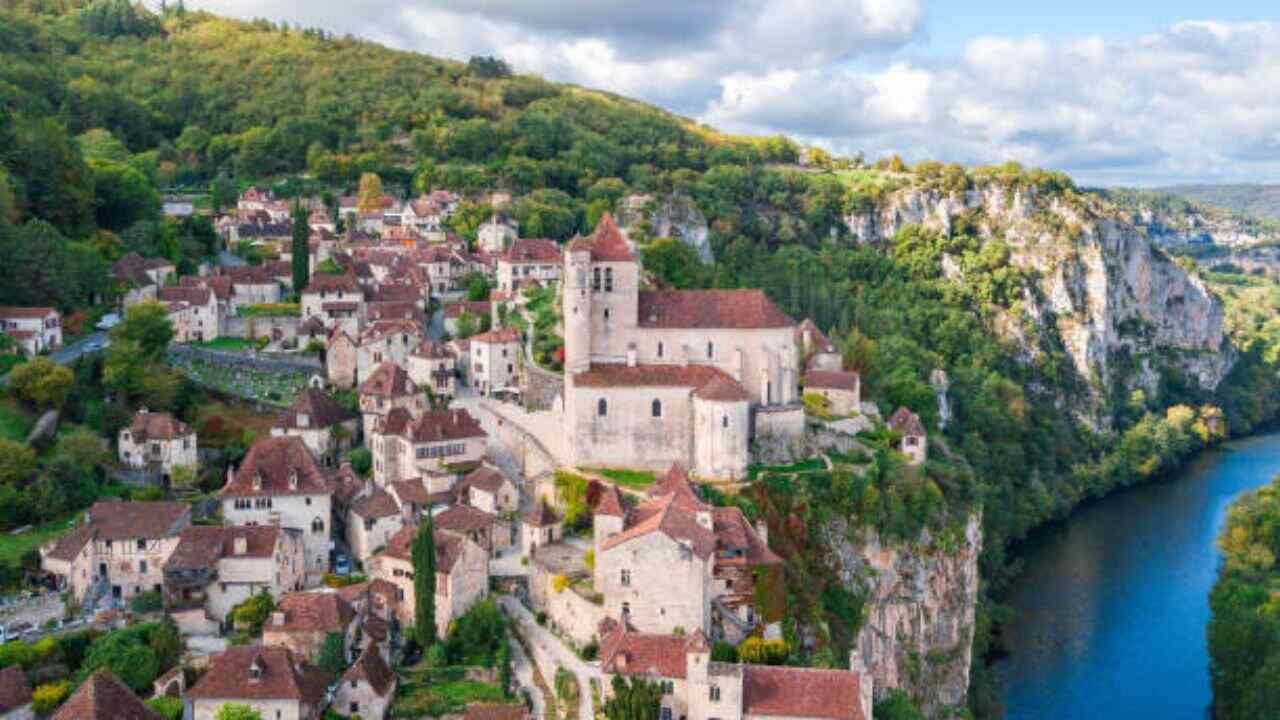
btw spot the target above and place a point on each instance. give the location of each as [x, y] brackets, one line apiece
[549, 646]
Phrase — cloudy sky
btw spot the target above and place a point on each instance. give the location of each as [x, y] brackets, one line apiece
[1111, 93]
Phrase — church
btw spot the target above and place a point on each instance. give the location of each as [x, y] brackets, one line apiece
[655, 376]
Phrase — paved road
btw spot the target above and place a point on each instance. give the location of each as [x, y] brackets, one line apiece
[227, 259]
[523, 668]
[553, 647]
[81, 347]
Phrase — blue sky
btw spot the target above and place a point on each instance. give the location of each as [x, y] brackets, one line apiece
[1113, 92]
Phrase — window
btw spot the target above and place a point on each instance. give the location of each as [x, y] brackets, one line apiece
[317, 525]
[602, 407]
[724, 421]
[659, 349]
[666, 713]
[142, 567]
[626, 609]
[711, 350]
[142, 544]
[768, 393]
[656, 409]
[606, 314]
[715, 693]
[608, 279]
[626, 578]
[308, 501]
[595, 279]
[355, 706]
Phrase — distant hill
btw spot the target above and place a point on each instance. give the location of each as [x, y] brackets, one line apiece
[1247, 199]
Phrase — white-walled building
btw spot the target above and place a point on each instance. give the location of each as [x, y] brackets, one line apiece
[527, 261]
[462, 575]
[495, 360]
[215, 568]
[193, 312]
[34, 329]
[432, 366]
[405, 446]
[158, 440]
[325, 427]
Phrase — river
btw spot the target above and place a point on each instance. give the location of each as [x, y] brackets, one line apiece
[1110, 611]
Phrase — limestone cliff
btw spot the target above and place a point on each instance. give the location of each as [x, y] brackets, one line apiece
[919, 609]
[673, 216]
[1099, 286]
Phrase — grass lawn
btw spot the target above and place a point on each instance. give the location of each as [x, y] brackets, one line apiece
[633, 479]
[225, 343]
[13, 546]
[755, 471]
[15, 421]
[444, 691]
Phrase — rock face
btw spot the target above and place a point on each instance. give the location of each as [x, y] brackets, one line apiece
[1099, 284]
[919, 611]
[675, 217]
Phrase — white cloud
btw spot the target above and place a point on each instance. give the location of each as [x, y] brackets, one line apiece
[1194, 101]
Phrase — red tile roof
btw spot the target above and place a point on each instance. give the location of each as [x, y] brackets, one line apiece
[448, 547]
[711, 309]
[15, 690]
[441, 425]
[410, 491]
[610, 502]
[817, 341]
[283, 677]
[485, 478]
[606, 244]
[722, 388]
[388, 380]
[831, 379]
[623, 651]
[189, 295]
[541, 515]
[801, 692]
[376, 504]
[501, 335]
[664, 515]
[475, 308]
[124, 521]
[326, 282]
[718, 385]
[156, 426]
[530, 250]
[464, 519]
[321, 411]
[201, 546]
[371, 669]
[312, 612]
[906, 422]
[25, 313]
[104, 697]
[283, 466]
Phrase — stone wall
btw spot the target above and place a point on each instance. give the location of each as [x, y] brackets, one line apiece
[540, 389]
[575, 616]
[278, 328]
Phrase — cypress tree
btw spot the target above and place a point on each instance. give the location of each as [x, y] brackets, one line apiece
[424, 583]
[301, 249]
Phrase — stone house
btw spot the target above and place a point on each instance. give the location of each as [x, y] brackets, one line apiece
[453, 312]
[462, 575]
[220, 286]
[649, 353]
[367, 687]
[432, 366]
[34, 329]
[495, 360]
[252, 285]
[405, 446]
[340, 358]
[841, 388]
[675, 563]
[138, 278]
[528, 261]
[104, 697]
[697, 688]
[495, 234]
[279, 483]
[540, 526]
[386, 341]
[193, 312]
[271, 680]
[160, 441]
[15, 694]
[412, 496]
[386, 389]
[818, 352]
[302, 621]
[325, 427]
[335, 299]
[483, 528]
[214, 568]
[489, 489]
[119, 546]
[914, 442]
[374, 516]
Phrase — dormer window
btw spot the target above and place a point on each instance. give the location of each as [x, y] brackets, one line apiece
[293, 480]
[255, 671]
[303, 420]
[257, 481]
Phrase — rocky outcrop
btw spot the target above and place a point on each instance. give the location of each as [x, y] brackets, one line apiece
[674, 216]
[920, 603]
[1098, 283]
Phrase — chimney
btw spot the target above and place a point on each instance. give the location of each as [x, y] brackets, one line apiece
[277, 618]
[240, 545]
[257, 481]
[631, 356]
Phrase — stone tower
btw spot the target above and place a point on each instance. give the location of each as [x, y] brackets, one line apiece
[577, 308]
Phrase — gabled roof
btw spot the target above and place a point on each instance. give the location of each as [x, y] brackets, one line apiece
[531, 250]
[463, 519]
[448, 547]
[433, 350]
[104, 697]
[485, 478]
[818, 343]
[186, 294]
[475, 308]
[710, 309]
[147, 426]
[801, 692]
[410, 491]
[541, 515]
[345, 282]
[26, 313]
[320, 410]
[123, 521]
[371, 669]
[623, 651]
[394, 310]
[202, 546]
[831, 379]
[606, 244]
[376, 504]
[719, 386]
[666, 516]
[134, 267]
[15, 690]
[281, 466]
[441, 425]
[610, 502]
[282, 676]
[311, 612]
[906, 422]
[501, 335]
[409, 330]
[388, 380]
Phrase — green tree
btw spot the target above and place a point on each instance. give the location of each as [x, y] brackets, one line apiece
[41, 382]
[677, 263]
[237, 711]
[478, 286]
[146, 325]
[222, 193]
[167, 643]
[639, 699]
[467, 326]
[424, 583]
[301, 250]
[123, 195]
[369, 197]
[333, 654]
[125, 656]
[17, 462]
[361, 460]
[169, 708]
[897, 705]
[53, 182]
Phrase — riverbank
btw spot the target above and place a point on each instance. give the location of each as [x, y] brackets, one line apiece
[1107, 616]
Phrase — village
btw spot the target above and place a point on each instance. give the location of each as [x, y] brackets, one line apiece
[522, 429]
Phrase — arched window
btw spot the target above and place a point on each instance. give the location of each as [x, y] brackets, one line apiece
[659, 348]
[317, 525]
[595, 279]
[602, 407]
[657, 408]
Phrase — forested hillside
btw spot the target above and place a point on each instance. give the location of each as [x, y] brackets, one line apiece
[1250, 199]
[103, 107]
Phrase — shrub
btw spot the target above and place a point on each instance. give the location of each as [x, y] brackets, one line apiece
[724, 652]
[757, 651]
[559, 582]
[361, 460]
[170, 708]
[437, 656]
[816, 405]
[49, 696]
[475, 637]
